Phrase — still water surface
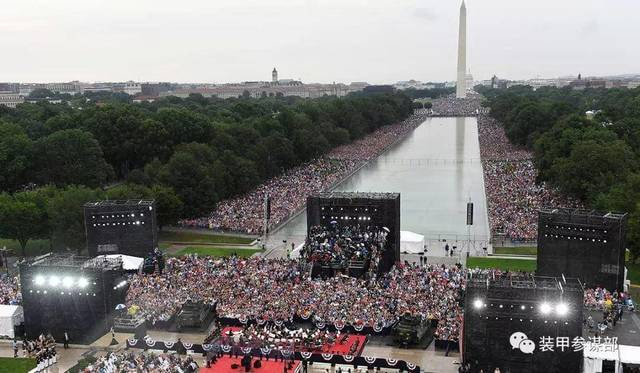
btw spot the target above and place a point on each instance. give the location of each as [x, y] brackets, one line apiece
[436, 169]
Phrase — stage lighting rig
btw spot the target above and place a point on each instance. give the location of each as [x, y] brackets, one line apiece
[545, 308]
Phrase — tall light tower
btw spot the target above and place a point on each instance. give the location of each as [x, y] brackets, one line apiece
[461, 88]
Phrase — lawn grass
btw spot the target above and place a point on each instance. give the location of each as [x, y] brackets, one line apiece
[517, 250]
[19, 365]
[194, 237]
[217, 252]
[634, 272]
[34, 247]
[504, 264]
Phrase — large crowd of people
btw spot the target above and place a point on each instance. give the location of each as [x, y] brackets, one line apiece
[289, 191]
[602, 299]
[277, 290]
[513, 196]
[10, 290]
[451, 106]
[42, 349]
[143, 362]
[340, 244]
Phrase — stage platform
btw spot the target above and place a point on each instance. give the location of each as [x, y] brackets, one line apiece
[335, 348]
[223, 365]
[627, 330]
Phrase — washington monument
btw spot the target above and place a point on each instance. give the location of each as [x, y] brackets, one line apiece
[461, 89]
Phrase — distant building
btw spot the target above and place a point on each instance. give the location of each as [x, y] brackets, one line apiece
[155, 89]
[132, 88]
[581, 84]
[615, 83]
[97, 88]
[275, 87]
[9, 88]
[379, 89]
[495, 83]
[70, 87]
[468, 81]
[10, 99]
[416, 84]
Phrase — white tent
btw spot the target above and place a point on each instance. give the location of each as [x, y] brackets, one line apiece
[412, 243]
[629, 354]
[594, 356]
[129, 263]
[10, 316]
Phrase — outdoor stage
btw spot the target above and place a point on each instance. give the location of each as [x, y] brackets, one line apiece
[343, 348]
[627, 329]
[223, 365]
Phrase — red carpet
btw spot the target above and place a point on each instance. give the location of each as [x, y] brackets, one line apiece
[223, 365]
[345, 347]
[337, 348]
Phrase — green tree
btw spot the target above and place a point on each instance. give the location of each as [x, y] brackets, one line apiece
[169, 207]
[625, 197]
[41, 93]
[71, 157]
[128, 191]
[65, 210]
[22, 218]
[592, 168]
[15, 156]
[190, 173]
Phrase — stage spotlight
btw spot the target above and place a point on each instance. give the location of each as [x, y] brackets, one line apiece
[545, 308]
[39, 280]
[67, 282]
[477, 304]
[562, 309]
[54, 281]
[523, 307]
[83, 282]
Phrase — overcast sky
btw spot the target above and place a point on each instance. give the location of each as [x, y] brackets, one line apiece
[378, 41]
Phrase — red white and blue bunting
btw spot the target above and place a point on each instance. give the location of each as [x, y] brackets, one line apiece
[286, 354]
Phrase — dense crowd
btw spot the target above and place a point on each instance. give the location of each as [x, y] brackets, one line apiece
[141, 362]
[340, 244]
[276, 290]
[451, 106]
[513, 196]
[602, 299]
[289, 191]
[611, 305]
[10, 290]
[42, 349]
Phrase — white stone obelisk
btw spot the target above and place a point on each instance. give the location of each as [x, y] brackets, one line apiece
[461, 89]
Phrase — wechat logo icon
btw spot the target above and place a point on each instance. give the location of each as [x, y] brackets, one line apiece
[519, 340]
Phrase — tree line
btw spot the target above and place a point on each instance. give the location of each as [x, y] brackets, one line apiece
[187, 153]
[594, 158]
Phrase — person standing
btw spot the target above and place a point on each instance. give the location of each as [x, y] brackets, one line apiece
[66, 340]
[14, 344]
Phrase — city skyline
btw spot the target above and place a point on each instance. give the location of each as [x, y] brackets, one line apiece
[313, 41]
